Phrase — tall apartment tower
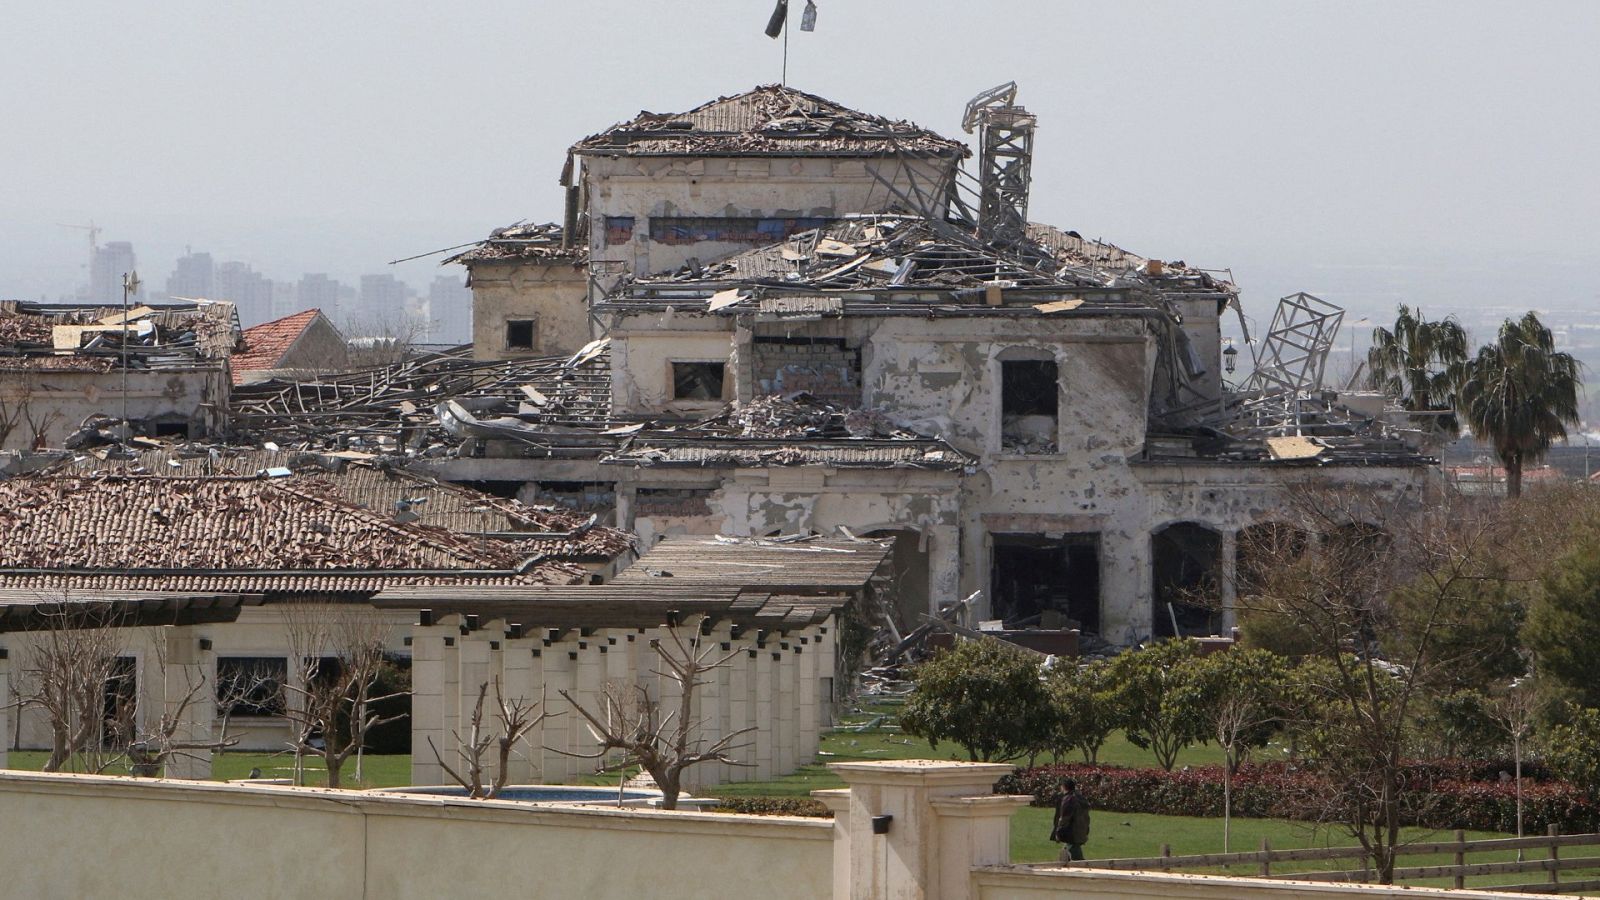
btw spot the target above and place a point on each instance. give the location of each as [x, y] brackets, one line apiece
[250, 291]
[317, 291]
[450, 310]
[194, 277]
[111, 261]
[385, 301]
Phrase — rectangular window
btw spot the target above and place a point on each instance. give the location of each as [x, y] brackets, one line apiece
[619, 230]
[1030, 394]
[697, 380]
[251, 685]
[521, 333]
[728, 229]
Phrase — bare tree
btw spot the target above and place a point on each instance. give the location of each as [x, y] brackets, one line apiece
[74, 656]
[663, 743]
[155, 746]
[514, 718]
[1384, 590]
[17, 410]
[338, 652]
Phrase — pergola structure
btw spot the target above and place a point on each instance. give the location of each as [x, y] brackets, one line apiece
[771, 608]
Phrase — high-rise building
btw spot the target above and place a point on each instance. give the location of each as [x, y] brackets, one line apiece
[110, 262]
[449, 310]
[193, 277]
[317, 291]
[285, 299]
[385, 303]
[249, 290]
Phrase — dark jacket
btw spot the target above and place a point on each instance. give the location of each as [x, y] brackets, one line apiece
[1071, 824]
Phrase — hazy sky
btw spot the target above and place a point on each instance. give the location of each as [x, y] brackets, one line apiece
[1429, 151]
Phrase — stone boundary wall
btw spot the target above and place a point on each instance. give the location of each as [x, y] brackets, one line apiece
[1030, 883]
[72, 836]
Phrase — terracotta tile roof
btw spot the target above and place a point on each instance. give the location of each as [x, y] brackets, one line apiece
[391, 492]
[231, 533]
[264, 345]
[770, 120]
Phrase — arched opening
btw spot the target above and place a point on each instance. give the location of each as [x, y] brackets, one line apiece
[1186, 567]
[1048, 580]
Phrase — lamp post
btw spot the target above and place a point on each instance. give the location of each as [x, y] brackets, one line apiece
[130, 286]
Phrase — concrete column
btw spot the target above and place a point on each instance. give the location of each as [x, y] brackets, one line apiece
[1230, 579]
[450, 691]
[739, 711]
[808, 735]
[588, 683]
[945, 820]
[516, 684]
[190, 699]
[944, 566]
[1125, 585]
[826, 660]
[559, 658]
[427, 702]
[786, 731]
[5, 704]
[837, 800]
[763, 714]
[711, 706]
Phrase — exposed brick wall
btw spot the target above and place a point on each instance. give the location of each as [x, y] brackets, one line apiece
[828, 370]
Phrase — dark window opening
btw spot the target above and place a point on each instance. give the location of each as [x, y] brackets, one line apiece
[521, 334]
[619, 230]
[1048, 581]
[121, 693]
[729, 229]
[581, 496]
[178, 428]
[505, 489]
[697, 380]
[1030, 396]
[1186, 564]
[251, 685]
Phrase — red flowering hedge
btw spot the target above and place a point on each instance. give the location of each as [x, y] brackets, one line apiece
[1436, 794]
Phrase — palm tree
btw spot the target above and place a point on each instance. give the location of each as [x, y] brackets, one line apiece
[1417, 363]
[1520, 394]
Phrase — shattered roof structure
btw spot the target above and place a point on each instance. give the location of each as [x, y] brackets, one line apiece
[894, 263]
[523, 242]
[264, 346]
[233, 533]
[795, 564]
[388, 491]
[770, 120]
[77, 338]
[391, 409]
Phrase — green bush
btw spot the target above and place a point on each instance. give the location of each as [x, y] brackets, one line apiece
[984, 696]
[775, 806]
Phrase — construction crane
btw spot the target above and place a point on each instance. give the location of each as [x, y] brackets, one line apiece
[94, 239]
[1005, 162]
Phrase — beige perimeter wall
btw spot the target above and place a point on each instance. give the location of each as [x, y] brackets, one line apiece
[74, 836]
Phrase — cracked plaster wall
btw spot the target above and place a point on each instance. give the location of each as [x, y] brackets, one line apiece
[63, 400]
[761, 187]
[554, 294]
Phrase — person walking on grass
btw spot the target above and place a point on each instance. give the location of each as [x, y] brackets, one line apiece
[1071, 825]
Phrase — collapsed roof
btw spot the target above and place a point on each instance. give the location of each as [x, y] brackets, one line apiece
[523, 242]
[79, 338]
[769, 120]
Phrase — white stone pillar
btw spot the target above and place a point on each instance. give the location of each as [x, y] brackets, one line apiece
[517, 666]
[944, 566]
[826, 663]
[450, 691]
[711, 705]
[808, 738]
[5, 704]
[189, 698]
[589, 683]
[837, 800]
[427, 702]
[763, 715]
[786, 720]
[1230, 579]
[559, 659]
[943, 820]
[740, 687]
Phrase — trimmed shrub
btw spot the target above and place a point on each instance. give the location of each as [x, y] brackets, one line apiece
[775, 806]
[1437, 795]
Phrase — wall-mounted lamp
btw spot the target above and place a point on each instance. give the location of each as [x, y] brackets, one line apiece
[880, 824]
[1230, 357]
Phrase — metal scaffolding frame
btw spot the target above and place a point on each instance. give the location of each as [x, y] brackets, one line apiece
[1290, 360]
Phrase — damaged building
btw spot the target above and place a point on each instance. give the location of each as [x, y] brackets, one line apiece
[67, 371]
[814, 321]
